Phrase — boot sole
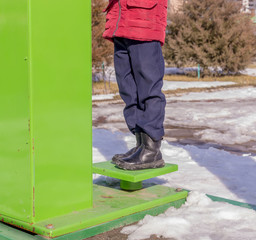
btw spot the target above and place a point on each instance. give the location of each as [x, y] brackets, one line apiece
[127, 166]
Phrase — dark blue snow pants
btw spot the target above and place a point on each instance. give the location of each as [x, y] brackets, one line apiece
[139, 67]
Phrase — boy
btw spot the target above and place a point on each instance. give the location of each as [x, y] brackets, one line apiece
[137, 28]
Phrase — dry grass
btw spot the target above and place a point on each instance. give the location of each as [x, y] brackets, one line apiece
[101, 88]
[252, 65]
[242, 79]
[210, 89]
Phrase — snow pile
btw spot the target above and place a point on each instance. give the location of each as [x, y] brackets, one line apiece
[209, 170]
[179, 71]
[173, 85]
[107, 143]
[110, 116]
[199, 218]
[238, 94]
[227, 117]
[212, 171]
[249, 71]
[229, 122]
[103, 97]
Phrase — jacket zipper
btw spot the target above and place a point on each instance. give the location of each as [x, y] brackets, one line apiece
[119, 17]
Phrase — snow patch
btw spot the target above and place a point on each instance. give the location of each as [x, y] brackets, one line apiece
[173, 85]
[103, 97]
[240, 93]
[209, 170]
[198, 218]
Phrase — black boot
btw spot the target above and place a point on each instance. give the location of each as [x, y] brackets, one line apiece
[131, 151]
[147, 156]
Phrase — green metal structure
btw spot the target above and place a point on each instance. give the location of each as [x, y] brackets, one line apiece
[45, 99]
[46, 130]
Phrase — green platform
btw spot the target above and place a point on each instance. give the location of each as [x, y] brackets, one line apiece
[109, 204]
[9, 233]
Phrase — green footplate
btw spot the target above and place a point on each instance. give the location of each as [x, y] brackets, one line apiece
[109, 169]
[131, 180]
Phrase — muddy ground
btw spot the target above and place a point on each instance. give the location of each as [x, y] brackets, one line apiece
[181, 135]
[116, 235]
[176, 134]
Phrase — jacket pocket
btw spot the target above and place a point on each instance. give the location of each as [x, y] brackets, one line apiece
[147, 4]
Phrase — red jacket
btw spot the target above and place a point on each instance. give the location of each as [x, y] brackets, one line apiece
[143, 20]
